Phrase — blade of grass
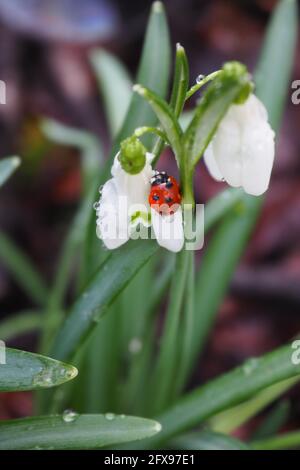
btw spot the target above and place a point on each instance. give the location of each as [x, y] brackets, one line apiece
[207, 440]
[186, 334]
[22, 270]
[22, 370]
[165, 115]
[20, 324]
[224, 392]
[71, 431]
[7, 167]
[166, 365]
[106, 284]
[231, 419]
[274, 421]
[288, 440]
[115, 86]
[179, 90]
[155, 56]
[88, 144]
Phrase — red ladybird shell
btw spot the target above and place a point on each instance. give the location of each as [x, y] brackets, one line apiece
[165, 193]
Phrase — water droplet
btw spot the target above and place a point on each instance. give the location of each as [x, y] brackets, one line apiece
[250, 366]
[110, 416]
[200, 78]
[100, 189]
[96, 205]
[135, 345]
[158, 427]
[69, 416]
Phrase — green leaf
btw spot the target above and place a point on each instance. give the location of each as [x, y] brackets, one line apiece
[221, 204]
[231, 419]
[165, 116]
[21, 370]
[217, 98]
[115, 85]
[7, 167]
[19, 324]
[88, 144]
[273, 422]
[181, 81]
[22, 270]
[104, 287]
[288, 440]
[207, 440]
[72, 431]
[226, 391]
[156, 57]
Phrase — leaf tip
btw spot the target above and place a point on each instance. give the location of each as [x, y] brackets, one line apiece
[157, 7]
[137, 88]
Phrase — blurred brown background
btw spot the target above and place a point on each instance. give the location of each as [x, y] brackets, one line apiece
[44, 62]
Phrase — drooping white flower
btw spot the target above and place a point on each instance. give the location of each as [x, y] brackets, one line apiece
[242, 150]
[124, 204]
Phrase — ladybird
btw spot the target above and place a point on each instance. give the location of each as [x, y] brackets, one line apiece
[165, 192]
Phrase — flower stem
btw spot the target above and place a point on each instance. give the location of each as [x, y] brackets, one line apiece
[151, 130]
[202, 82]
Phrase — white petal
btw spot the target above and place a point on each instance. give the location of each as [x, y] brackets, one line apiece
[168, 230]
[112, 225]
[211, 163]
[258, 158]
[243, 147]
[135, 187]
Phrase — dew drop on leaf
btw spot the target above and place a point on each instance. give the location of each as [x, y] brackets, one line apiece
[200, 78]
[69, 416]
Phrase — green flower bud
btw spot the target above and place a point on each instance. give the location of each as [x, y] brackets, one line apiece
[238, 70]
[132, 155]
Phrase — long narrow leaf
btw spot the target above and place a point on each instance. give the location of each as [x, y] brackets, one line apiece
[115, 85]
[7, 167]
[207, 440]
[226, 391]
[71, 431]
[21, 370]
[21, 268]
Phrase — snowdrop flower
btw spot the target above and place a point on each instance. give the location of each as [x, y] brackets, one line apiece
[124, 202]
[242, 150]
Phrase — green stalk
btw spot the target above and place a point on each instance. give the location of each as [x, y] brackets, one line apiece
[188, 327]
[167, 361]
[202, 82]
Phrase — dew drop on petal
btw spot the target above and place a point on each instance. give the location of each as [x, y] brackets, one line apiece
[96, 205]
[110, 416]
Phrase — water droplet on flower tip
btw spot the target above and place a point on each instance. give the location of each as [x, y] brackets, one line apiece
[96, 205]
[100, 189]
[110, 416]
[200, 78]
[69, 416]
